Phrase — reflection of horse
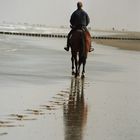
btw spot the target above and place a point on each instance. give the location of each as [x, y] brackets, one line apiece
[80, 42]
[75, 111]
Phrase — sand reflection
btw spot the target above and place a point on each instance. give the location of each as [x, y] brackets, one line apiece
[75, 111]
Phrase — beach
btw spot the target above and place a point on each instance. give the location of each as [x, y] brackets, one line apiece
[122, 43]
[40, 99]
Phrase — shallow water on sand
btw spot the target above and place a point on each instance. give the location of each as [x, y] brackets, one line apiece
[39, 99]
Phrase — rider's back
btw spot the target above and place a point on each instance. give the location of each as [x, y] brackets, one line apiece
[79, 18]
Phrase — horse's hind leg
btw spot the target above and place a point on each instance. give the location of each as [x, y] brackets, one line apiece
[83, 71]
[72, 60]
[76, 66]
[79, 65]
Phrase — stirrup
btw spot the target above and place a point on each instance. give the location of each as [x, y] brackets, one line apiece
[91, 49]
[66, 48]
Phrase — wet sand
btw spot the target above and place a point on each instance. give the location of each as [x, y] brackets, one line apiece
[39, 99]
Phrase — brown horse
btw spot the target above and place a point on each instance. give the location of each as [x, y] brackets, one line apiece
[80, 42]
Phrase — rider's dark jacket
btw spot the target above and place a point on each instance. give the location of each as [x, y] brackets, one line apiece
[79, 18]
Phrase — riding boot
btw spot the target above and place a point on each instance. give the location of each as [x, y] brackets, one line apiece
[67, 47]
[68, 38]
[68, 42]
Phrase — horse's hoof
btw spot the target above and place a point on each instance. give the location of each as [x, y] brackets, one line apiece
[73, 73]
[77, 75]
[82, 76]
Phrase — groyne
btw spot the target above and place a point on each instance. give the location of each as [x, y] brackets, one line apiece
[58, 35]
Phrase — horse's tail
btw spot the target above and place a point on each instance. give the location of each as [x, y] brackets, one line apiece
[88, 40]
[85, 44]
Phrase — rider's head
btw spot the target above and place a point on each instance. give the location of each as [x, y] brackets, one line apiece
[79, 5]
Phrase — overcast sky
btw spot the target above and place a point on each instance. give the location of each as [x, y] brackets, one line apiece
[104, 14]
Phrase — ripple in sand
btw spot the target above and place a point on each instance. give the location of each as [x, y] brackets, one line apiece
[4, 133]
[10, 125]
[48, 107]
[20, 117]
[35, 112]
[6, 124]
[65, 91]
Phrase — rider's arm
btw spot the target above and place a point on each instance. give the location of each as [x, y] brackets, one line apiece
[87, 19]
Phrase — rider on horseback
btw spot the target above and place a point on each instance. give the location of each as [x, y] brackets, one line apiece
[79, 20]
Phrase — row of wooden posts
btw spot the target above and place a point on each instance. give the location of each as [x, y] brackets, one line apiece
[53, 35]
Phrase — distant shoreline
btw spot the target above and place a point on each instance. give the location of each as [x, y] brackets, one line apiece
[129, 40]
[122, 44]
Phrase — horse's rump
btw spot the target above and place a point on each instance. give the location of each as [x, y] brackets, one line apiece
[80, 42]
[76, 40]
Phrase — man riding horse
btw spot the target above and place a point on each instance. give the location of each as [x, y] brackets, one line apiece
[79, 20]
